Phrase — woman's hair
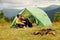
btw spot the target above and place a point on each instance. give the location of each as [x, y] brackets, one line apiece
[18, 15]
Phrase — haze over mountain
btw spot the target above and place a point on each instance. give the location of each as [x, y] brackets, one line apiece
[11, 12]
[51, 7]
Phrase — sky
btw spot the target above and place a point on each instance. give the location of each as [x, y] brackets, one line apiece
[19, 4]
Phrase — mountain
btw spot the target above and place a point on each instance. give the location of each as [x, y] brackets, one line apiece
[11, 12]
[50, 10]
[51, 7]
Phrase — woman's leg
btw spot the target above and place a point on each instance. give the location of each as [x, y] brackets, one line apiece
[20, 25]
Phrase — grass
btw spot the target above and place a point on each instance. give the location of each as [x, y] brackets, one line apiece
[7, 33]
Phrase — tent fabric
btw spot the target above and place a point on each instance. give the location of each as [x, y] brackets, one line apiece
[40, 16]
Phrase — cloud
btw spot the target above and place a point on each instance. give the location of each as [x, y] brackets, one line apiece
[15, 1]
[27, 3]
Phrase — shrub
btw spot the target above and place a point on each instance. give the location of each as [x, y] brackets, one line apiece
[1, 13]
[57, 16]
[7, 19]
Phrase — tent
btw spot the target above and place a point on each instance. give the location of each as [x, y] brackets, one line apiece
[39, 15]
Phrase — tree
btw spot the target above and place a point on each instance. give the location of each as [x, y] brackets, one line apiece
[57, 16]
[1, 14]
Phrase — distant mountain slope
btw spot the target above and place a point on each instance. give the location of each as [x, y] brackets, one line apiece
[51, 7]
[11, 12]
[51, 10]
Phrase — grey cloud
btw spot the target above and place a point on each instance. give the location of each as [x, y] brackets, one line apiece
[26, 3]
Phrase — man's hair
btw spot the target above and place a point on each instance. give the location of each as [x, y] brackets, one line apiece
[18, 15]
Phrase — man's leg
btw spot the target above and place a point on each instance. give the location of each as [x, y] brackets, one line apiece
[28, 23]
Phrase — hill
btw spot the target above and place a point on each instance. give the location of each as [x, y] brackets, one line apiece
[50, 10]
[11, 12]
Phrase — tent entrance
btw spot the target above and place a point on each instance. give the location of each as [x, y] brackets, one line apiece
[32, 19]
[27, 14]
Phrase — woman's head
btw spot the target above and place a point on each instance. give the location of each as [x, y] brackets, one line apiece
[18, 15]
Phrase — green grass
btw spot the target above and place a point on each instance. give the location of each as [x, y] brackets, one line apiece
[7, 33]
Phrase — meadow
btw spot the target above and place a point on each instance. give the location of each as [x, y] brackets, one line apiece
[7, 33]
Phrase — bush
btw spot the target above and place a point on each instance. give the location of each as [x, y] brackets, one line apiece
[1, 14]
[57, 16]
[6, 19]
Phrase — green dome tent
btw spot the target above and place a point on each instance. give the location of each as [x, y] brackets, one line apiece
[39, 15]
